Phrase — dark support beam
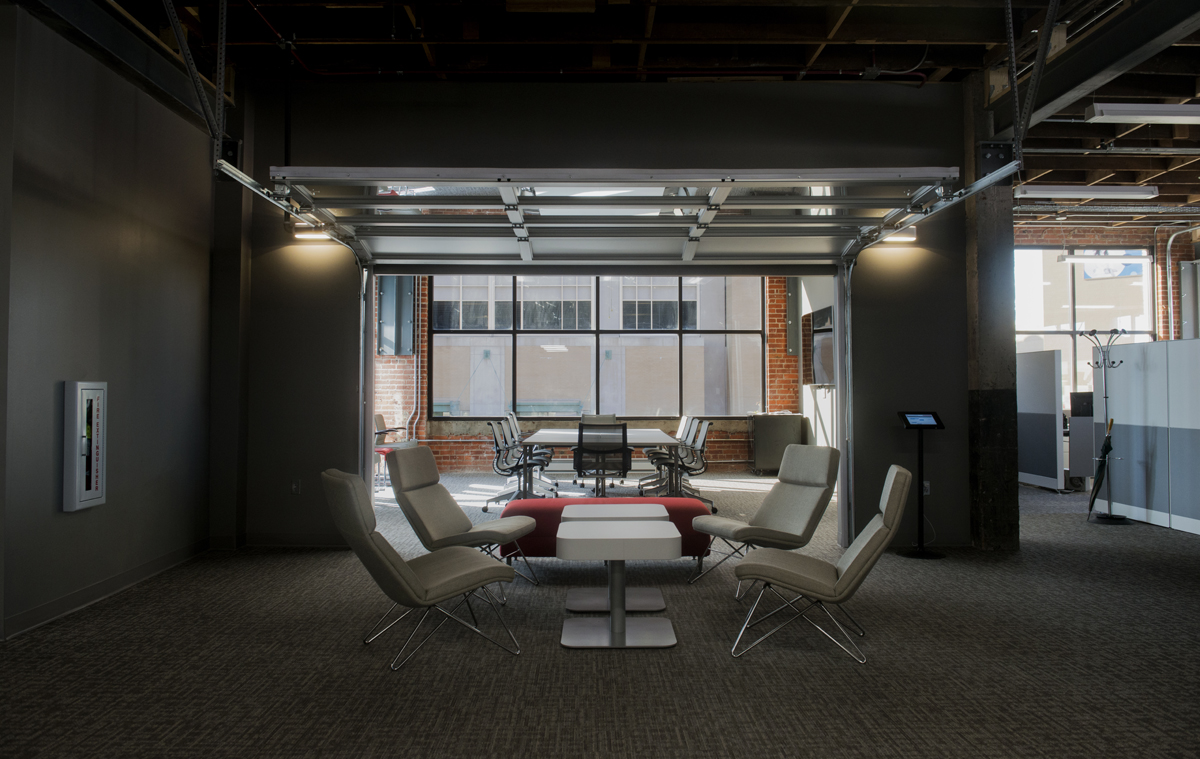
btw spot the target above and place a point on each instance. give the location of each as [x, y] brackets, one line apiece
[1144, 30]
[991, 334]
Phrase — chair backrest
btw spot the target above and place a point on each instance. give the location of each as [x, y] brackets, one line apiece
[602, 447]
[350, 506]
[866, 549]
[689, 430]
[598, 419]
[683, 425]
[795, 504]
[429, 507]
[505, 460]
[514, 424]
[380, 424]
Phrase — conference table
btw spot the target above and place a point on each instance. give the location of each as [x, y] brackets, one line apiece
[634, 438]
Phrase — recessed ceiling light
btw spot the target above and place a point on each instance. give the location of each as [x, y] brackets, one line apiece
[1142, 113]
[554, 348]
[1107, 192]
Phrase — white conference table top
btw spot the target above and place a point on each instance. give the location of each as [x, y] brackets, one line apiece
[635, 438]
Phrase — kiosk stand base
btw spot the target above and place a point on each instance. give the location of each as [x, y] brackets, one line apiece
[921, 421]
[1110, 519]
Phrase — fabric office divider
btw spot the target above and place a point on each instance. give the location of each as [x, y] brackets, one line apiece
[1156, 433]
[1039, 419]
[1183, 397]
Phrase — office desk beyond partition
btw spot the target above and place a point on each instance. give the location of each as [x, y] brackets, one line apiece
[634, 438]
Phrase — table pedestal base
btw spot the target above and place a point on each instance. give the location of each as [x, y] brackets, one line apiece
[596, 599]
[594, 632]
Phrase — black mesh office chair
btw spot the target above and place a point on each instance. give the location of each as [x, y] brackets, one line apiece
[602, 452]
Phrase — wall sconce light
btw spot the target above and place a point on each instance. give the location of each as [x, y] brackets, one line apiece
[904, 235]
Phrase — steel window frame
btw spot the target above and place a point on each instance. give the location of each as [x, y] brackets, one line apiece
[597, 332]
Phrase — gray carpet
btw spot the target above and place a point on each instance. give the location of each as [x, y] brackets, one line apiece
[1082, 644]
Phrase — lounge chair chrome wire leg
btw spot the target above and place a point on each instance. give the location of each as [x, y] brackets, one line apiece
[369, 637]
[734, 551]
[397, 663]
[855, 626]
[747, 624]
[857, 653]
[532, 578]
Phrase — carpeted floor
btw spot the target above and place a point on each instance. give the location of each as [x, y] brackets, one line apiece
[1084, 643]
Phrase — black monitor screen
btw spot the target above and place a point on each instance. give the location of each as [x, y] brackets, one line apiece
[927, 420]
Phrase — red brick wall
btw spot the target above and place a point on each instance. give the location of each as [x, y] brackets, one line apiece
[1120, 237]
[728, 442]
[783, 371]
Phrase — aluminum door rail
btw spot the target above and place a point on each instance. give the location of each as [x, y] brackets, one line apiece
[318, 220]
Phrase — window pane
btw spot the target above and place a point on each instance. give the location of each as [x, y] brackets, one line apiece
[469, 302]
[639, 375]
[503, 314]
[475, 315]
[722, 374]
[664, 314]
[542, 302]
[445, 315]
[643, 315]
[1043, 288]
[554, 375]
[541, 314]
[689, 314]
[1112, 295]
[724, 302]
[471, 375]
[629, 314]
[583, 311]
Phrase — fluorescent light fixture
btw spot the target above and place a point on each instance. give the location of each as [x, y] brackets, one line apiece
[599, 193]
[1142, 113]
[311, 234]
[554, 348]
[1107, 192]
[904, 235]
[1085, 259]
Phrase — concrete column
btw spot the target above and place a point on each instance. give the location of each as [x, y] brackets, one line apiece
[991, 346]
[229, 345]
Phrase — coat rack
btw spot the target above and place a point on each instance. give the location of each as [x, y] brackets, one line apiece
[1104, 343]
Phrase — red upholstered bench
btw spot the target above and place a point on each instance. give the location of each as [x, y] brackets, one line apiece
[548, 513]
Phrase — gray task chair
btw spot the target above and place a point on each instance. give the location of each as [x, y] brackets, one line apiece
[788, 515]
[422, 583]
[818, 582]
[437, 518]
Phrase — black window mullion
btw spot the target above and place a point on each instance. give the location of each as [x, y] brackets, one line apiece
[679, 343]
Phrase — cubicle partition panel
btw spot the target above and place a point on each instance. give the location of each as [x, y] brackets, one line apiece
[1138, 404]
[1039, 419]
[1183, 367]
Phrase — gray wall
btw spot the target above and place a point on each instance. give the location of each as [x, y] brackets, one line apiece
[910, 330]
[909, 338]
[108, 280]
[304, 352]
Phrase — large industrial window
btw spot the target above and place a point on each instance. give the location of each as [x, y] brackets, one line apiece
[631, 346]
[1057, 298]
